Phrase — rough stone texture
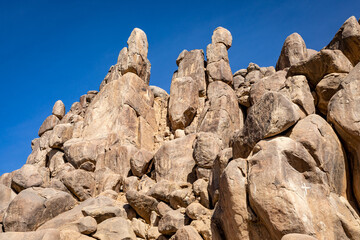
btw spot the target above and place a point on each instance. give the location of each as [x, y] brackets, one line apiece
[221, 114]
[6, 196]
[60, 134]
[326, 88]
[140, 162]
[186, 233]
[207, 146]
[271, 115]
[222, 35]
[343, 113]
[34, 206]
[293, 51]
[183, 102]
[317, 136]
[174, 160]
[191, 64]
[162, 189]
[317, 66]
[171, 222]
[347, 39]
[117, 228]
[282, 169]
[220, 71]
[29, 176]
[80, 183]
[59, 109]
[49, 123]
[51, 234]
[142, 204]
[101, 213]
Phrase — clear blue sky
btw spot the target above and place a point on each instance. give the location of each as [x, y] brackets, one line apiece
[52, 50]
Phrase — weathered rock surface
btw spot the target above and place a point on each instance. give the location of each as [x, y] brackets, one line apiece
[49, 123]
[117, 228]
[293, 51]
[347, 39]
[59, 109]
[34, 206]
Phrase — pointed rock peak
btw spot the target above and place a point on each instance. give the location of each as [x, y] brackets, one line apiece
[222, 35]
[137, 42]
[181, 56]
[293, 51]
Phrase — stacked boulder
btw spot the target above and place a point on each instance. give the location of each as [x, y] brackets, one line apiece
[264, 153]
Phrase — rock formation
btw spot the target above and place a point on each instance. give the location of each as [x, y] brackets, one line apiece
[258, 154]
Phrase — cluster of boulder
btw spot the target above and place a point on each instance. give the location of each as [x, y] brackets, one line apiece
[264, 153]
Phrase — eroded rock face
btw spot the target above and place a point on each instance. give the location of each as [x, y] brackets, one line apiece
[347, 39]
[293, 51]
[343, 113]
[34, 206]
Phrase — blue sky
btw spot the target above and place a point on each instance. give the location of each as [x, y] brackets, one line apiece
[52, 50]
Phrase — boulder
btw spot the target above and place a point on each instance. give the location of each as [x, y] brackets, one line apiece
[271, 115]
[140, 228]
[191, 64]
[293, 51]
[222, 35]
[184, 102]
[326, 88]
[80, 183]
[101, 213]
[60, 134]
[140, 162]
[317, 136]
[186, 233]
[174, 160]
[297, 236]
[34, 206]
[49, 123]
[221, 114]
[317, 66]
[52, 234]
[162, 190]
[30, 176]
[207, 146]
[347, 39]
[142, 204]
[59, 109]
[283, 169]
[219, 71]
[106, 179]
[6, 196]
[343, 112]
[117, 228]
[171, 222]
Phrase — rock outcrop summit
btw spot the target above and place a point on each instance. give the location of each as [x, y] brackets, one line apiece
[262, 153]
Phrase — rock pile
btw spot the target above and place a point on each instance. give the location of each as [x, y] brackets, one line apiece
[264, 153]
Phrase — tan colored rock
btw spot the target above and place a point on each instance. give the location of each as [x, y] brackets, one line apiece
[140, 162]
[101, 213]
[183, 102]
[60, 134]
[106, 179]
[215, 52]
[221, 115]
[6, 196]
[73, 235]
[220, 164]
[200, 188]
[207, 146]
[142, 204]
[80, 183]
[55, 160]
[30, 176]
[293, 51]
[203, 227]
[220, 71]
[52, 234]
[182, 197]
[317, 136]
[34, 206]
[171, 222]
[153, 233]
[117, 228]
[86, 225]
[311, 52]
[59, 109]
[326, 88]
[343, 111]
[347, 39]
[140, 228]
[299, 187]
[324, 62]
[162, 190]
[186, 233]
[49, 123]
[271, 115]
[297, 236]
[174, 160]
[196, 211]
[191, 64]
[222, 35]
